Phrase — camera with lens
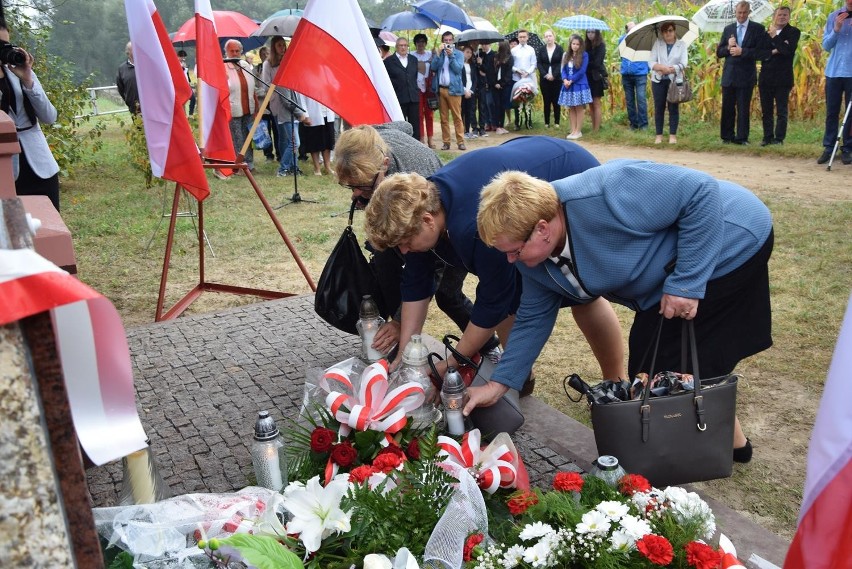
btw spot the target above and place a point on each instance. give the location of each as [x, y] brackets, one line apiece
[448, 46]
[11, 54]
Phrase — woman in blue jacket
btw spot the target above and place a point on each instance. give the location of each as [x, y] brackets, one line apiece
[575, 92]
[659, 239]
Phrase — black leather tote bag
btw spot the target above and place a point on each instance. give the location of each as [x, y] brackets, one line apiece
[345, 279]
[672, 439]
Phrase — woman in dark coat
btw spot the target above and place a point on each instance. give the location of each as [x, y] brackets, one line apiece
[549, 62]
[596, 72]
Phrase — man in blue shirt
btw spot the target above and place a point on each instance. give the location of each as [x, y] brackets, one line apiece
[634, 78]
[837, 40]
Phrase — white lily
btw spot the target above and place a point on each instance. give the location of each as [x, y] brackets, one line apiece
[316, 511]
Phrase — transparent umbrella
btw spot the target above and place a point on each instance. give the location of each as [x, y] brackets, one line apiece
[716, 14]
[637, 44]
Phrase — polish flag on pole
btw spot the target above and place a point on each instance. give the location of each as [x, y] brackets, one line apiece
[824, 535]
[214, 106]
[333, 59]
[92, 346]
[163, 92]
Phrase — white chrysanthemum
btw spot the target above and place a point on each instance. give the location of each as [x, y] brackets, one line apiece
[535, 530]
[513, 556]
[613, 509]
[621, 541]
[675, 494]
[688, 506]
[593, 522]
[537, 555]
[635, 527]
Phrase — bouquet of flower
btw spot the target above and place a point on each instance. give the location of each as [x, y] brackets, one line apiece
[522, 93]
[583, 522]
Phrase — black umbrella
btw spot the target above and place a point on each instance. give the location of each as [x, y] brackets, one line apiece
[534, 41]
[481, 36]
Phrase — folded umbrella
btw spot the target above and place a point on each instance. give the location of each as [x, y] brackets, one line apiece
[637, 44]
[581, 23]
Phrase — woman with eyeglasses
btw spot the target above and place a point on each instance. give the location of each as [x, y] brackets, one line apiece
[435, 219]
[668, 62]
[698, 250]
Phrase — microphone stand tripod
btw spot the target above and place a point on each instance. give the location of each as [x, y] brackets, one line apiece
[292, 106]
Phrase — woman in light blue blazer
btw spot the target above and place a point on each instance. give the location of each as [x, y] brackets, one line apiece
[24, 100]
[668, 63]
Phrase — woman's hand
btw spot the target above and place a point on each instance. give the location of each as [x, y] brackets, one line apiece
[387, 337]
[677, 306]
[484, 396]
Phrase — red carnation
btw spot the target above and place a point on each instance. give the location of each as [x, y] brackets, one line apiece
[656, 548]
[387, 462]
[632, 483]
[520, 501]
[471, 543]
[344, 454]
[702, 556]
[322, 439]
[361, 473]
[568, 482]
[413, 449]
[393, 450]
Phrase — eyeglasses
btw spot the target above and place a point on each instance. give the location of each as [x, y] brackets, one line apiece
[364, 187]
[517, 254]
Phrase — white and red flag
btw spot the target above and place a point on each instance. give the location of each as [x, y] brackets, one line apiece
[214, 107]
[824, 536]
[163, 92]
[92, 348]
[333, 59]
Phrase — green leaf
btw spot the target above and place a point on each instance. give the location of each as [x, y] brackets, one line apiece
[263, 552]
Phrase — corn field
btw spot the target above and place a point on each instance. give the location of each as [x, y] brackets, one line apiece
[705, 69]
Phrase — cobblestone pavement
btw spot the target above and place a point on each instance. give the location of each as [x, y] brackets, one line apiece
[200, 381]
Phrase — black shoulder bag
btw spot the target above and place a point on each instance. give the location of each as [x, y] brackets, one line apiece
[672, 439]
[345, 279]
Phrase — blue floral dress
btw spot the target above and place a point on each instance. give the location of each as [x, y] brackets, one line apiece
[578, 93]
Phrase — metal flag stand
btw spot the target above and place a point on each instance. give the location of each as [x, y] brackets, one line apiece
[203, 285]
[189, 212]
[839, 142]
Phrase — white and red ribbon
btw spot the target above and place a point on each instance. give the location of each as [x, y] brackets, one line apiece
[92, 348]
[729, 554]
[372, 406]
[495, 466]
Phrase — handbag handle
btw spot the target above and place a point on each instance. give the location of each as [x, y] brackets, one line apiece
[352, 211]
[687, 330]
[460, 358]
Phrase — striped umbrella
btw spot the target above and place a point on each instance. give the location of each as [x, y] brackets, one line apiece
[581, 23]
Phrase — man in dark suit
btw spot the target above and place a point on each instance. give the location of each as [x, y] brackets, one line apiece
[402, 70]
[776, 76]
[742, 44]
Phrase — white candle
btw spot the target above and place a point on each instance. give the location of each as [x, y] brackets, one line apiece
[273, 467]
[368, 335]
[455, 421]
[141, 480]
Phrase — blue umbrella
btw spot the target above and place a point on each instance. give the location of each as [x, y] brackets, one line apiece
[407, 21]
[444, 14]
[581, 23]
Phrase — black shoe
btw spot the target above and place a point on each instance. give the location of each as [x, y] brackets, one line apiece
[777, 141]
[743, 454]
[741, 142]
[726, 141]
[766, 142]
[846, 158]
[825, 157]
[529, 386]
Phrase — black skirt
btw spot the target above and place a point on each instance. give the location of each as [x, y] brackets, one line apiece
[734, 322]
[596, 86]
[318, 138]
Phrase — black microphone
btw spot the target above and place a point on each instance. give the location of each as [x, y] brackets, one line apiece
[232, 59]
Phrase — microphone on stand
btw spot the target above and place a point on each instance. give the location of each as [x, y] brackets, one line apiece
[232, 59]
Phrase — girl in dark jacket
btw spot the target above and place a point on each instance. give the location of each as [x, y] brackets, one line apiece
[596, 48]
[501, 84]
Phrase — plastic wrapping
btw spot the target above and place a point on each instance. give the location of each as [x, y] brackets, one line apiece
[165, 534]
[316, 389]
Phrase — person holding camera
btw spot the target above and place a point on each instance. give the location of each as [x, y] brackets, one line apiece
[698, 251]
[837, 40]
[23, 98]
[447, 65]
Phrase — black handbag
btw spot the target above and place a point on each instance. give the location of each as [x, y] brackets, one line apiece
[345, 279]
[672, 439]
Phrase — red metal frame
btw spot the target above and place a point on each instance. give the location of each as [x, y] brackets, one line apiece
[181, 305]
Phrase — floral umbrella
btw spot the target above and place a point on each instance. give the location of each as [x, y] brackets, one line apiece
[581, 23]
[533, 40]
[637, 44]
[716, 14]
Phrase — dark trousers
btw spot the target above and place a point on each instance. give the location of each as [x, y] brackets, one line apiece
[411, 112]
[835, 90]
[550, 97]
[774, 99]
[499, 98]
[468, 111]
[736, 105]
[660, 91]
[636, 99]
[29, 184]
[485, 106]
